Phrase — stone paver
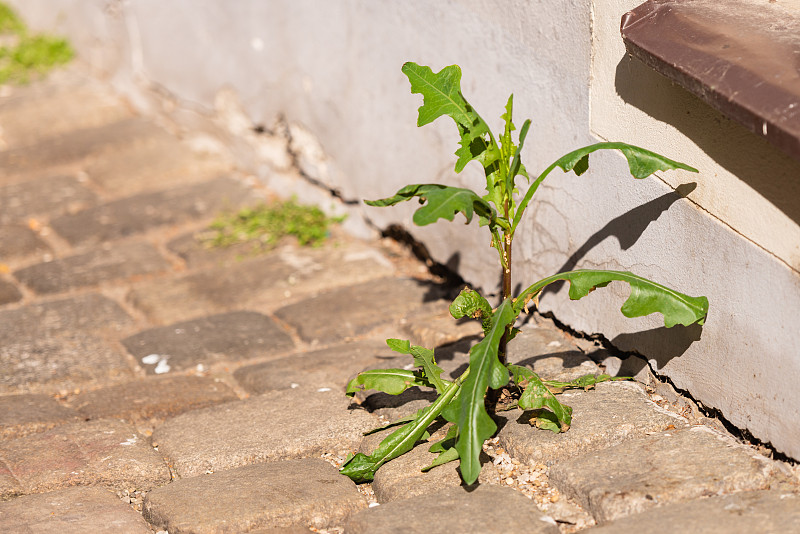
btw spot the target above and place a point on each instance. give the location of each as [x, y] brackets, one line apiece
[260, 496]
[402, 478]
[75, 146]
[60, 362]
[160, 162]
[19, 242]
[92, 268]
[230, 336]
[330, 367]
[151, 400]
[8, 292]
[548, 353]
[277, 425]
[21, 415]
[100, 453]
[139, 213]
[765, 512]
[486, 509]
[57, 111]
[662, 468]
[262, 284]
[49, 196]
[358, 308]
[71, 511]
[432, 326]
[601, 417]
[83, 312]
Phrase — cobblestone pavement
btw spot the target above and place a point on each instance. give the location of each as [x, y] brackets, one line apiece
[151, 384]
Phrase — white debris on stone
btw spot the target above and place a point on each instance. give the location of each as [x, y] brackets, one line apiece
[323, 390]
[151, 359]
[130, 441]
[162, 367]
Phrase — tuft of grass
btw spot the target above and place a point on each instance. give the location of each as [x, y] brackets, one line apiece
[266, 225]
[23, 55]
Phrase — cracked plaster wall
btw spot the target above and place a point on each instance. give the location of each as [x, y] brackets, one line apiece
[333, 71]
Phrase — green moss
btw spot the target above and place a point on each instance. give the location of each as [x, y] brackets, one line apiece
[9, 21]
[27, 55]
[266, 225]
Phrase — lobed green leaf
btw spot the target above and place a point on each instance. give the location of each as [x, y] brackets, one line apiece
[440, 202]
[646, 296]
[641, 162]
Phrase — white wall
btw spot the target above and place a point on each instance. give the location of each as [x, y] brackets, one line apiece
[334, 67]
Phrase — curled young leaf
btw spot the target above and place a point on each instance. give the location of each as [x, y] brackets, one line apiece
[470, 303]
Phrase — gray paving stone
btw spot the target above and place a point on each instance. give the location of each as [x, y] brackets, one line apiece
[663, 468]
[92, 268]
[232, 336]
[151, 400]
[162, 161]
[138, 213]
[765, 512]
[17, 242]
[277, 425]
[602, 417]
[60, 362]
[197, 254]
[486, 509]
[21, 415]
[432, 326]
[354, 310]
[75, 146]
[330, 367]
[71, 511]
[34, 117]
[402, 478]
[287, 494]
[262, 284]
[88, 312]
[48, 196]
[8, 292]
[550, 354]
[99, 453]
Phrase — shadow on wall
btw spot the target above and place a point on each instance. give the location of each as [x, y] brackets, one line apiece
[752, 159]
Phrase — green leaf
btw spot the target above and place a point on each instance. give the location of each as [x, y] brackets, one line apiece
[584, 382]
[441, 202]
[441, 93]
[391, 381]
[646, 296]
[446, 456]
[475, 425]
[406, 419]
[549, 421]
[362, 468]
[642, 163]
[470, 303]
[422, 358]
[447, 442]
[536, 396]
